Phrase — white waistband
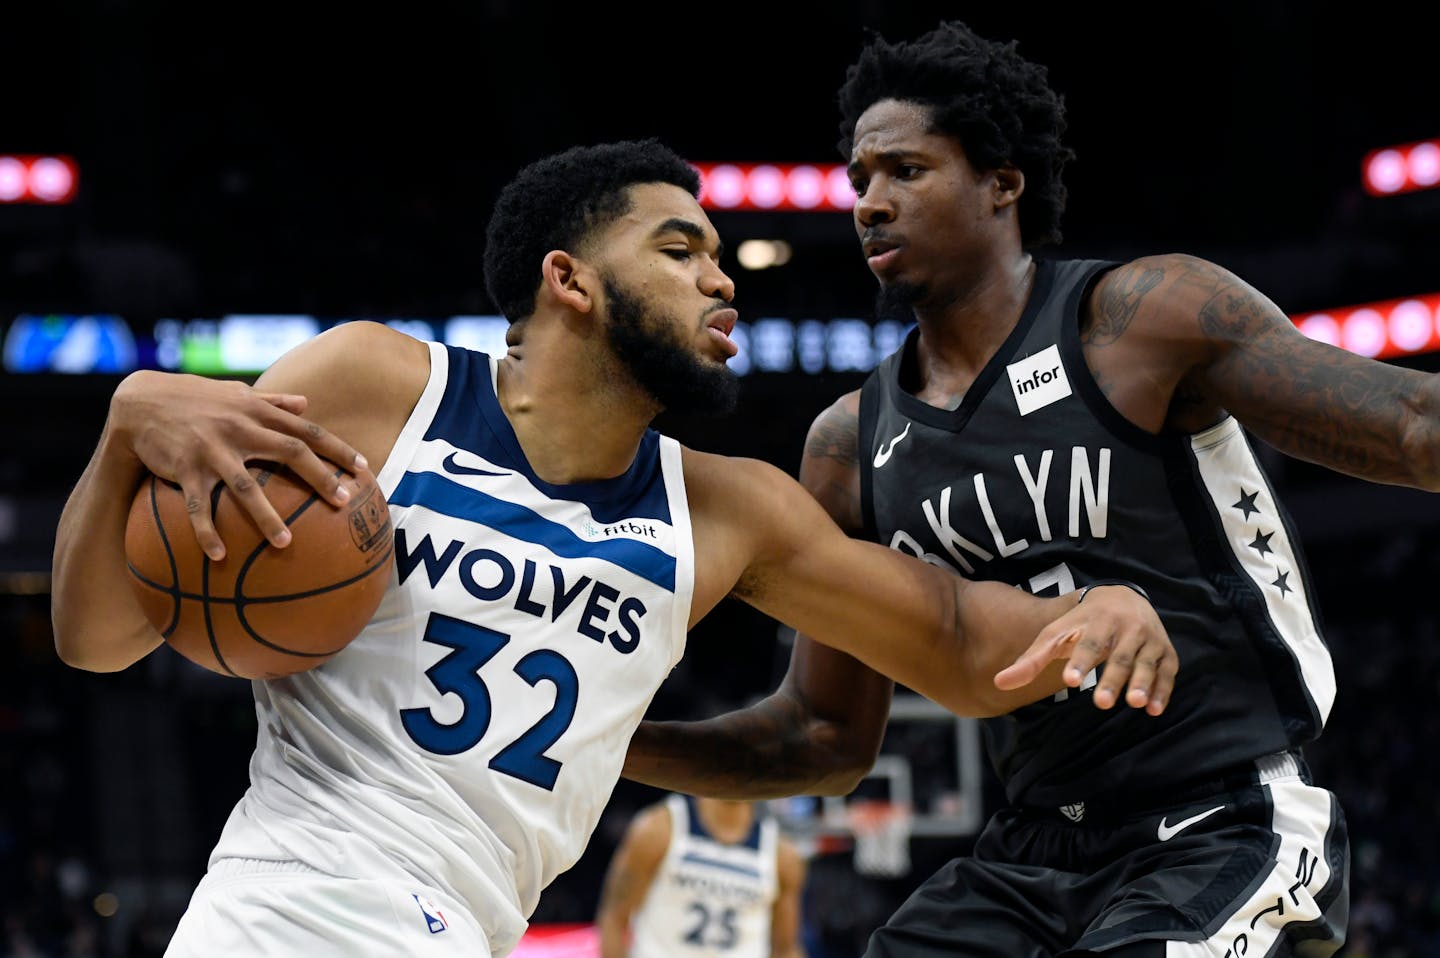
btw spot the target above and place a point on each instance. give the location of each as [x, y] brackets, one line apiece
[1277, 766]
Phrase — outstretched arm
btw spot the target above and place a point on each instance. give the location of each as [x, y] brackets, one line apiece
[883, 617]
[820, 731]
[1213, 343]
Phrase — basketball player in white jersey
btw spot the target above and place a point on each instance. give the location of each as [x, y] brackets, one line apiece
[702, 878]
[415, 794]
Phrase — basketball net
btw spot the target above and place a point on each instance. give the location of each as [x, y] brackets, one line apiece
[882, 837]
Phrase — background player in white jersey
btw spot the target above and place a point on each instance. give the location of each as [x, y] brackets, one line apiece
[416, 793]
[704, 878]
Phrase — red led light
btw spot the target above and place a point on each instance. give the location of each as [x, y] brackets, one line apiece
[1402, 169]
[1395, 327]
[796, 187]
[48, 180]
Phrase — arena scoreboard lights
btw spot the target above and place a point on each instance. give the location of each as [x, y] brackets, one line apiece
[245, 344]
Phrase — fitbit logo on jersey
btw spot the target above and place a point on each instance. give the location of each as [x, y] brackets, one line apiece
[629, 528]
[1038, 380]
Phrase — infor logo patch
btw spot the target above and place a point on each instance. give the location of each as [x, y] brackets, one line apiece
[1038, 380]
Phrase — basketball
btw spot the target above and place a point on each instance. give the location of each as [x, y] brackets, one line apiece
[261, 612]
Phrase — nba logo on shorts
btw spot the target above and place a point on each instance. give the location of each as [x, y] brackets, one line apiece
[434, 918]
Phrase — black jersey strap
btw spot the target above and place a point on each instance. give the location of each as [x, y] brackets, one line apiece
[869, 416]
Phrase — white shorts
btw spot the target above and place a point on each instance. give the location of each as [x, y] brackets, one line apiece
[245, 907]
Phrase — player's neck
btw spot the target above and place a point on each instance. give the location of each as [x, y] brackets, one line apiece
[728, 824]
[573, 425]
[960, 333]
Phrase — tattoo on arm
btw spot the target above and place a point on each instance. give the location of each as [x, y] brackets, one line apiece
[1115, 309]
[1324, 405]
[836, 436]
[831, 451]
[764, 751]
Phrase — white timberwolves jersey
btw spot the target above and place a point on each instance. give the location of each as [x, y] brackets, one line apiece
[709, 899]
[470, 737]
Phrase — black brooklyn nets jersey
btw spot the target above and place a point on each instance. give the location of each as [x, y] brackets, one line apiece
[1037, 481]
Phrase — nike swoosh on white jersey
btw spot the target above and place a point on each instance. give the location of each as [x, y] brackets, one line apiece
[1166, 832]
[882, 455]
[452, 465]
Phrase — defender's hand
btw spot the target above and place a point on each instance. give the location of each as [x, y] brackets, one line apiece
[199, 432]
[1115, 625]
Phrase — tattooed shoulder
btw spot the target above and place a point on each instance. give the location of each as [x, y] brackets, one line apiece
[1116, 301]
[835, 433]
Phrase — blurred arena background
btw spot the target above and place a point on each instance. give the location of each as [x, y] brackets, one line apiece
[194, 188]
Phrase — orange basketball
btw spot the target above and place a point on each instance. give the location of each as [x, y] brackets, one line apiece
[261, 612]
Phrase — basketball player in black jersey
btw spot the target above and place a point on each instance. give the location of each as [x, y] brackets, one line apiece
[1052, 423]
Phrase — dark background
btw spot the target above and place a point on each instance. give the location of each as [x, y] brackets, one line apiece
[341, 161]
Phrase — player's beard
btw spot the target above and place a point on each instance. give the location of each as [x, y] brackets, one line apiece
[652, 351]
[897, 300]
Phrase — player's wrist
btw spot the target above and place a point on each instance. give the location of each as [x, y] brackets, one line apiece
[1084, 590]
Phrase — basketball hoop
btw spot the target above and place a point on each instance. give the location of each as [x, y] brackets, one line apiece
[882, 837]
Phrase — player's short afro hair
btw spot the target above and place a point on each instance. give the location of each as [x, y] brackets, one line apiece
[559, 202]
[996, 104]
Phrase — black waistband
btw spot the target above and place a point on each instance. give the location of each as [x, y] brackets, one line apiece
[1122, 805]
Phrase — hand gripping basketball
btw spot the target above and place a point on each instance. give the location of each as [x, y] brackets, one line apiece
[261, 612]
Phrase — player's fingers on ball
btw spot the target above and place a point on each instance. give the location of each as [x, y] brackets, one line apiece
[290, 402]
[312, 441]
[335, 449]
[318, 473]
[251, 496]
[325, 479]
[197, 507]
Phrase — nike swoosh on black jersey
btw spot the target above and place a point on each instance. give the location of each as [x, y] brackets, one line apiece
[882, 455]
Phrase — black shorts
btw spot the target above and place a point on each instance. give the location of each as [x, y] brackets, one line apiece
[1258, 869]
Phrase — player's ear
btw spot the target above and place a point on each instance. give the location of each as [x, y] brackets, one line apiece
[568, 279]
[1009, 183]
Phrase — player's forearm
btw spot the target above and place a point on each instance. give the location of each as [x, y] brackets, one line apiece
[769, 750]
[612, 938]
[98, 623]
[996, 623]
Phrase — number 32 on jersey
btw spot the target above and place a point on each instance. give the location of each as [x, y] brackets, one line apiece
[458, 673]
